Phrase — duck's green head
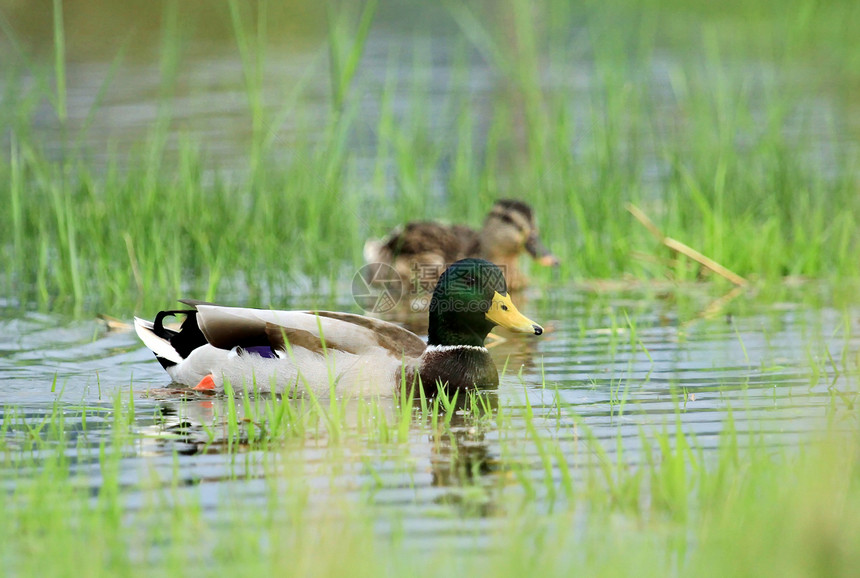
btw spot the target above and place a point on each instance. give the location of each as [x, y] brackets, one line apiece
[470, 299]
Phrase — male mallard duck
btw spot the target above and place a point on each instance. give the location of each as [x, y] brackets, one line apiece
[419, 251]
[291, 351]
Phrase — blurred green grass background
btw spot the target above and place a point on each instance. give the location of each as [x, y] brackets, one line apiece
[732, 125]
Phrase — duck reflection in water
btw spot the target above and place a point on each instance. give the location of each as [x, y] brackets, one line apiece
[447, 438]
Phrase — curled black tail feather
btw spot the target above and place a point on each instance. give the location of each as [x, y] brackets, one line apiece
[188, 338]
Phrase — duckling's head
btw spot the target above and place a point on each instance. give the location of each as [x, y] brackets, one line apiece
[509, 229]
[470, 299]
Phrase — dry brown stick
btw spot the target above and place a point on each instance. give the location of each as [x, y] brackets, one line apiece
[114, 324]
[705, 261]
[643, 218]
[684, 249]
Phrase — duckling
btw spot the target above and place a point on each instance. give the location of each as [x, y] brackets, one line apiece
[327, 353]
[420, 250]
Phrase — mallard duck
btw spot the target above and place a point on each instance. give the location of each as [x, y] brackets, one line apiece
[420, 250]
[295, 351]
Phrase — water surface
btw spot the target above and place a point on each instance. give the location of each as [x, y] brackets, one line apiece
[619, 367]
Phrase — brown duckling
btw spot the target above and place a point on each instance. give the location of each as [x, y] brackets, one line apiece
[420, 250]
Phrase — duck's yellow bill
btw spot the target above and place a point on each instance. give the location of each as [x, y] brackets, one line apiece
[503, 313]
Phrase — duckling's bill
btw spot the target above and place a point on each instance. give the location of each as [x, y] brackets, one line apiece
[504, 313]
[539, 251]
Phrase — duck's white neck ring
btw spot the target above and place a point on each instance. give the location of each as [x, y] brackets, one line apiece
[435, 348]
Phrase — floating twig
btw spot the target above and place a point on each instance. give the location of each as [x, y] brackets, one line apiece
[114, 324]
